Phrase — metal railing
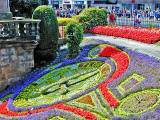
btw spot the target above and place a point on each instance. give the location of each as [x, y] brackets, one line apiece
[143, 22]
[26, 28]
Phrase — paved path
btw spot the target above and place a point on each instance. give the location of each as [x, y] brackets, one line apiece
[148, 49]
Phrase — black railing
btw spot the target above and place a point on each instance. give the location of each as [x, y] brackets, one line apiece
[141, 22]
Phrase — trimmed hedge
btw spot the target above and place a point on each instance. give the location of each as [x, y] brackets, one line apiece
[65, 21]
[92, 17]
[48, 45]
[74, 36]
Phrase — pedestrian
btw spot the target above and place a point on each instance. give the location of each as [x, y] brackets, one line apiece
[133, 13]
[128, 13]
[137, 21]
[111, 19]
[151, 14]
[147, 12]
[156, 14]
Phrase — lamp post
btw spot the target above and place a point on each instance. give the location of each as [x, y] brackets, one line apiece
[5, 10]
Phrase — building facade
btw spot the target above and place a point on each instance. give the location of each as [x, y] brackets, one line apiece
[64, 4]
[126, 4]
[139, 4]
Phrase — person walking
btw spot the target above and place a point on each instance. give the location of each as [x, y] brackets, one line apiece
[151, 14]
[137, 21]
[156, 14]
[111, 19]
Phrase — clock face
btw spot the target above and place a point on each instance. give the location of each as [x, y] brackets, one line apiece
[64, 83]
[139, 102]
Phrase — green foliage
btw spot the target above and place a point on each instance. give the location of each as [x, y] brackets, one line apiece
[49, 33]
[65, 21]
[74, 35]
[23, 8]
[92, 17]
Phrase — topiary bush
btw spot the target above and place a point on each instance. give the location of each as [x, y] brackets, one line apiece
[62, 22]
[92, 17]
[47, 49]
[74, 36]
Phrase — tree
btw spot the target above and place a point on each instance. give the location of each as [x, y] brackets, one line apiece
[23, 8]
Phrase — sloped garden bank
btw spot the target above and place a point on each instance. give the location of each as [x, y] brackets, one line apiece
[104, 82]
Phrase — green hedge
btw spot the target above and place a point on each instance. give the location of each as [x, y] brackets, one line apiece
[65, 21]
[92, 17]
[49, 34]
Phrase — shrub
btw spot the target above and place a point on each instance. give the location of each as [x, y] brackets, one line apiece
[74, 36]
[92, 17]
[65, 21]
[47, 49]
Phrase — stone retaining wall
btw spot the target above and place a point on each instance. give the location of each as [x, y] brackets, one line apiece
[16, 59]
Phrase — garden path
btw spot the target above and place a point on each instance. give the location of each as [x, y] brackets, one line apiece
[148, 49]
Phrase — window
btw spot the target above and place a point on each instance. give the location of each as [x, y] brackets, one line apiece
[140, 6]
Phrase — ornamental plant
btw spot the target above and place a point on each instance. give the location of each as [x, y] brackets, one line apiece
[92, 17]
[62, 22]
[47, 49]
[74, 36]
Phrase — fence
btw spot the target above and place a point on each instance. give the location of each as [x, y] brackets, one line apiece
[125, 21]
[144, 22]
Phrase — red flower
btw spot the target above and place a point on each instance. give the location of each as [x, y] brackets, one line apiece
[135, 33]
[86, 114]
[122, 62]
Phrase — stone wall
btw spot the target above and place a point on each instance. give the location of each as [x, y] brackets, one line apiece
[16, 60]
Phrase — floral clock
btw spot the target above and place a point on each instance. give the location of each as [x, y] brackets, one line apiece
[80, 89]
[63, 83]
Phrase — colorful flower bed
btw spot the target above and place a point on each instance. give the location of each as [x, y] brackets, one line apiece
[101, 83]
[145, 35]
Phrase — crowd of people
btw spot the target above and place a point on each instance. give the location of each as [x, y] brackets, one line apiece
[68, 12]
[127, 13]
[148, 13]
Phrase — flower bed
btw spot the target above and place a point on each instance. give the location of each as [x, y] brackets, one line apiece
[88, 87]
[144, 35]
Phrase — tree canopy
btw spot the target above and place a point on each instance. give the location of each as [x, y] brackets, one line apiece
[25, 8]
